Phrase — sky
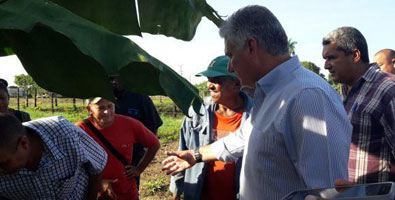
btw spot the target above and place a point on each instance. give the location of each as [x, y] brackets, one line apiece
[305, 21]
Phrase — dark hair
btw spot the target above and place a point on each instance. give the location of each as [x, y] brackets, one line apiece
[10, 129]
[4, 88]
[348, 39]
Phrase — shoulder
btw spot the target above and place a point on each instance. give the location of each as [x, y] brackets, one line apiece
[125, 120]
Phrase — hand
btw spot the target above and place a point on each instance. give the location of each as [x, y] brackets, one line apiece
[178, 161]
[339, 183]
[106, 192]
[176, 196]
[131, 171]
[342, 183]
[312, 197]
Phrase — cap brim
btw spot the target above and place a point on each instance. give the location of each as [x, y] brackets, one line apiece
[213, 74]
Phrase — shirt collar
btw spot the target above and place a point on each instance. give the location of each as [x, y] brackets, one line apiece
[370, 74]
[278, 74]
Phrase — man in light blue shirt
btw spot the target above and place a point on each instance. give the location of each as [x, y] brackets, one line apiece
[298, 135]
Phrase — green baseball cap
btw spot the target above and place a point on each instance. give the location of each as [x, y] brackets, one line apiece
[217, 67]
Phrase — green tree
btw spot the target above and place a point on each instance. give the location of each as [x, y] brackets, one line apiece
[291, 46]
[336, 86]
[202, 87]
[27, 83]
[312, 67]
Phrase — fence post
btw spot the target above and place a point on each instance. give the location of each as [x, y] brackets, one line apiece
[27, 97]
[56, 100]
[175, 111]
[17, 97]
[74, 106]
[35, 97]
[52, 108]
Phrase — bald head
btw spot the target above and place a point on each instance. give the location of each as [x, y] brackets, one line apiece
[386, 60]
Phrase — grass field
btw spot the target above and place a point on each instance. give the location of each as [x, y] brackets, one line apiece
[154, 183]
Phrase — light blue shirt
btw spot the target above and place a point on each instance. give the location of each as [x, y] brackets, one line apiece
[298, 135]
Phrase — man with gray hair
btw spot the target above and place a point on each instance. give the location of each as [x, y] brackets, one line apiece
[369, 99]
[385, 59]
[298, 135]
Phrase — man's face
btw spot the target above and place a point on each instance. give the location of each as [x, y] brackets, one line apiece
[240, 65]
[116, 85]
[385, 62]
[14, 157]
[222, 89]
[102, 112]
[338, 64]
[3, 101]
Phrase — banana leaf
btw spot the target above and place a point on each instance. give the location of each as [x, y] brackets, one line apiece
[176, 18]
[72, 56]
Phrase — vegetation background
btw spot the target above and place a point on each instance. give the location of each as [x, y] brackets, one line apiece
[154, 182]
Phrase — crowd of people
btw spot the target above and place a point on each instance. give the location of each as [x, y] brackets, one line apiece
[296, 132]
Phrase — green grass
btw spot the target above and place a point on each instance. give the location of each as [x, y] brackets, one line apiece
[170, 129]
[158, 185]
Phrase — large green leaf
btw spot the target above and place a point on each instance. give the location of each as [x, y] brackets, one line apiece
[119, 16]
[69, 55]
[176, 18]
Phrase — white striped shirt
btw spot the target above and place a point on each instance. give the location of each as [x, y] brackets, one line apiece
[298, 135]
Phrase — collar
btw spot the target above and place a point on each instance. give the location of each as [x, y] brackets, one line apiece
[368, 76]
[278, 75]
[371, 73]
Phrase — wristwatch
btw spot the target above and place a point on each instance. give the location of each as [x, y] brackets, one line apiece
[197, 155]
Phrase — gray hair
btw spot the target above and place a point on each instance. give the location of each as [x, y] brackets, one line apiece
[348, 39]
[259, 23]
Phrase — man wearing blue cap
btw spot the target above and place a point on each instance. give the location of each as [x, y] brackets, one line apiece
[224, 111]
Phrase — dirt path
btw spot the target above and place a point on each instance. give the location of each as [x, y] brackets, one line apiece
[154, 182]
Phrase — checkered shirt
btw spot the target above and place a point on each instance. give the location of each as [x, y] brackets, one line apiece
[70, 156]
[370, 105]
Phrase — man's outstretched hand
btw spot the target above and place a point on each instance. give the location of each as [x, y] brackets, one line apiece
[178, 161]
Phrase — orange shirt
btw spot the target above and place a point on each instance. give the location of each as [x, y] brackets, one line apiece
[122, 134]
[219, 182]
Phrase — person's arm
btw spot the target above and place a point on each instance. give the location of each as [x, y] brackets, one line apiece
[317, 136]
[94, 184]
[151, 118]
[95, 160]
[226, 149]
[145, 137]
[179, 161]
[388, 122]
[133, 171]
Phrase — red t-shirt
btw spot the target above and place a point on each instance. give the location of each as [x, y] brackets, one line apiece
[122, 134]
[219, 180]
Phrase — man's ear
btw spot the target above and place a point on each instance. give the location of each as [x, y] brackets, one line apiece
[24, 142]
[252, 45]
[356, 55]
[88, 108]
